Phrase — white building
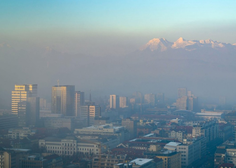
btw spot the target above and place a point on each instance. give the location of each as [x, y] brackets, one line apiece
[107, 129]
[123, 102]
[114, 101]
[69, 146]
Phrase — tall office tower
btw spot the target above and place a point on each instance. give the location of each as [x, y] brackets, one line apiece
[123, 102]
[150, 99]
[28, 112]
[89, 113]
[23, 108]
[182, 103]
[94, 112]
[182, 92]
[79, 101]
[192, 103]
[63, 100]
[33, 110]
[114, 101]
[21, 93]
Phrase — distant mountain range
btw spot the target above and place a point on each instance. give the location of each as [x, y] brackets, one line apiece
[161, 44]
[206, 67]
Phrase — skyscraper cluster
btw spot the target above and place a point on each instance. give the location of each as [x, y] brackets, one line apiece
[186, 100]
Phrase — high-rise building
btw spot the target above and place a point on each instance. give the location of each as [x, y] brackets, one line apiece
[79, 101]
[94, 112]
[182, 103]
[123, 102]
[89, 113]
[150, 99]
[23, 108]
[192, 103]
[28, 112]
[63, 100]
[33, 111]
[182, 92]
[21, 93]
[114, 101]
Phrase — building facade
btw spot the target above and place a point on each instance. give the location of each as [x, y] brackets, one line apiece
[63, 100]
[114, 101]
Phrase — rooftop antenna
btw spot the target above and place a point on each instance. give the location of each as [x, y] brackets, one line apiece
[58, 82]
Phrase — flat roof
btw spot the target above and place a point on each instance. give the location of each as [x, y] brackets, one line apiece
[141, 161]
[173, 144]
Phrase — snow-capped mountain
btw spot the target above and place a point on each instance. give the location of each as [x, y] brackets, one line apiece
[161, 44]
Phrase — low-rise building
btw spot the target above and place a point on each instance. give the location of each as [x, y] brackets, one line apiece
[20, 133]
[38, 161]
[72, 145]
[107, 160]
[56, 122]
[140, 163]
[107, 129]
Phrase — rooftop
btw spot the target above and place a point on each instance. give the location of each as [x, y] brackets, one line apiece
[141, 161]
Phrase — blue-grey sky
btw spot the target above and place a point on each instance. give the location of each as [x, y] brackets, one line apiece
[106, 26]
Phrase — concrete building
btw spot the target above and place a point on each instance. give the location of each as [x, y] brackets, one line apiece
[33, 111]
[190, 151]
[38, 161]
[88, 113]
[182, 103]
[208, 129]
[79, 101]
[170, 159]
[123, 102]
[107, 160]
[107, 129]
[94, 112]
[192, 103]
[8, 159]
[114, 101]
[131, 126]
[63, 100]
[70, 146]
[8, 121]
[230, 156]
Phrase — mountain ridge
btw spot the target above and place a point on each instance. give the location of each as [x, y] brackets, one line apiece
[161, 44]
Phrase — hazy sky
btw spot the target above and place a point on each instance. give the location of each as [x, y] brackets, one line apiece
[102, 27]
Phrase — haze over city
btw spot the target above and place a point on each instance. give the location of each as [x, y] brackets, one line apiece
[118, 84]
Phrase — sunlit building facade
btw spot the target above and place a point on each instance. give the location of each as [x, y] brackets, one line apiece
[63, 100]
[123, 102]
[21, 93]
[114, 101]
[79, 101]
